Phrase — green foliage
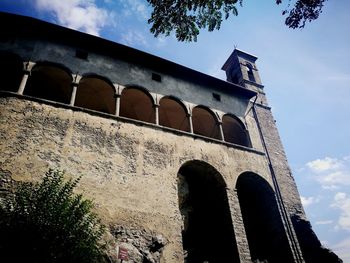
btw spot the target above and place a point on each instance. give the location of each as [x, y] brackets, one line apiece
[47, 222]
[302, 12]
[187, 17]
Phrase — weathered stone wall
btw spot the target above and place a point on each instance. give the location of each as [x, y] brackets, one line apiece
[130, 168]
[279, 161]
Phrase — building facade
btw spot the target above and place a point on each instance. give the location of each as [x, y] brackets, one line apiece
[183, 167]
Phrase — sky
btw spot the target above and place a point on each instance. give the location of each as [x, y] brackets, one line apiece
[306, 74]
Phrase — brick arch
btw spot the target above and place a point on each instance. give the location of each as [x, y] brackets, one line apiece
[11, 71]
[173, 113]
[234, 130]
[51, 81]
[208, 233]
[205, 122]
[96, 92]
[262, 220]
[137, 103]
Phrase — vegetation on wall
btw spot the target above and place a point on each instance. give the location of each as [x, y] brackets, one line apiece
[47, 222]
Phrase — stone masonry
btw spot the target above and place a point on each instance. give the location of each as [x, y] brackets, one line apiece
[152, 139]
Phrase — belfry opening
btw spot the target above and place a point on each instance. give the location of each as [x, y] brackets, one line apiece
[208, 234]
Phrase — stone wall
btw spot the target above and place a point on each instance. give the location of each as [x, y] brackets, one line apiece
[130, 168]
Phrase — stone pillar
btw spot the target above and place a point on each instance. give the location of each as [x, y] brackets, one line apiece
[238, 227]
[117, 104]
[190, 121]
[117, 95]
[221, 131]
[75, 83]
[27, 67]
[156, 109]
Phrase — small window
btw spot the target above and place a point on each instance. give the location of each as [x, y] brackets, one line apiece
[82, 54]
[216, 97]
[156, 77]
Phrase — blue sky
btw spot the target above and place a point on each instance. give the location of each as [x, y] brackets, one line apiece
[306, 74]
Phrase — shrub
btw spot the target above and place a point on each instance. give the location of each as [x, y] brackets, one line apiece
[47, 222]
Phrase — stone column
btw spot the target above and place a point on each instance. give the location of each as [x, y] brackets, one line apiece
[221, 131]
[75, 84]
[156, 109]
[238, 227]
[27, 67]
[117, 99]
[190, 121]
[117, 104]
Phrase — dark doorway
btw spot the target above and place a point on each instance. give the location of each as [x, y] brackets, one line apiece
[208, 231]
[262, 220]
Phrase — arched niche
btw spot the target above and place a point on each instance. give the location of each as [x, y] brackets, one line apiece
[172, 113]
[136, 103]
[96, 93]
[205, 122]
[11, 71]
[50, 81]
[208, 233]
[263, 224]
[234, 131]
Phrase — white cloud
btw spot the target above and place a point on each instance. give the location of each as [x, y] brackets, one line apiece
[307, 201]
[81, 15]
[342, 202]
[335, 179]
[324, 222]
[133, 38]
[322, 165]
[342, 249]
[331, 173]
[136, 8]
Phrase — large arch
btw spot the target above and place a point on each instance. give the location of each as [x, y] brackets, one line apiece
[96, 93]
[208, 233]
[234, 131]
[172, 113]
[11, 71]
[137, 103]
[50, 81]
[205, 122]
[263, 224]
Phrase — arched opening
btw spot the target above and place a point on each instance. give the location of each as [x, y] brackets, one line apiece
[250, 72]
[51, 82]
[95, 93]
[173, 114]
[11, 71]
[137, 104]
[205, 122]
[208, 230]
[263, 224]
[234, 131]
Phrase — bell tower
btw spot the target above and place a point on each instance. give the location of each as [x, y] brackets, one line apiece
[241, 69]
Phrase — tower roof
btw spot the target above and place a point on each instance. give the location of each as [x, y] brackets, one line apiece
[238, 53]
